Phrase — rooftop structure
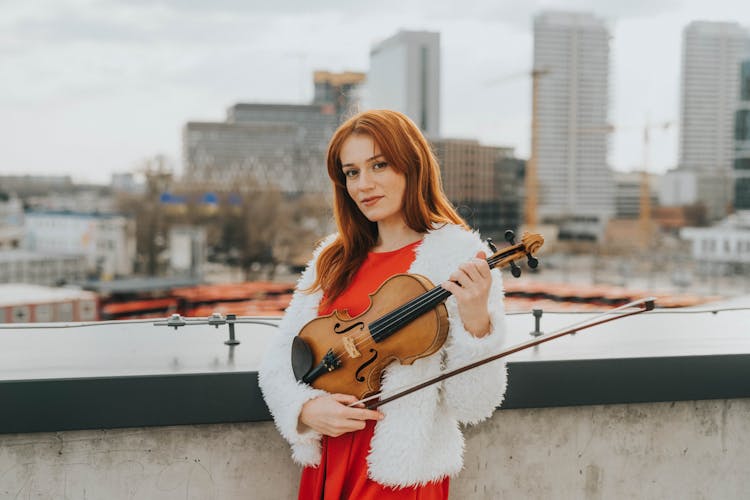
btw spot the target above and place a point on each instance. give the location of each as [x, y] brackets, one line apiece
[83, 404]
[24, 303]
[342, 90]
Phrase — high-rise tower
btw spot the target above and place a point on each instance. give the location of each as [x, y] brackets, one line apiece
[571, 51]
[405, 76]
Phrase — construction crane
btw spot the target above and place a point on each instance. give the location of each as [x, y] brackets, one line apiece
[531, 182]
[531, 179]
[644, 219]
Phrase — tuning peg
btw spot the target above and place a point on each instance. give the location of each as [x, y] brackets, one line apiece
[532, 261]
[515, 270]
[491, 245]
[510, 237]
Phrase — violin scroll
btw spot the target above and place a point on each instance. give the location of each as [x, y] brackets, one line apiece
[530, 243]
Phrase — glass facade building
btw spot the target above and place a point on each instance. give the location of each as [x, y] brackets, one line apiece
[742, 142]
[483, 182]
[711, 57]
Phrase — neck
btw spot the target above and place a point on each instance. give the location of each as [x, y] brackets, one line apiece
[392, 236]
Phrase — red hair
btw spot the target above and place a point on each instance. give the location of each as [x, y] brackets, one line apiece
[425, 204]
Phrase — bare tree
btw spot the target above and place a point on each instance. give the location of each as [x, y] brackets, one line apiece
[252, 226]
[147, 210]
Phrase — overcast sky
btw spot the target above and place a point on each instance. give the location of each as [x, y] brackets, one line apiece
[88, 88]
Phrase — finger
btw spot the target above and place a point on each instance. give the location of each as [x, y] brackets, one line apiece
[453, 287]
[471, 269]
[484, 266]
[346, 399]
[356, 412]
[369, 415]
[460, 276]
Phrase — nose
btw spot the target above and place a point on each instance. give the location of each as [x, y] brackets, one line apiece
[365, 180]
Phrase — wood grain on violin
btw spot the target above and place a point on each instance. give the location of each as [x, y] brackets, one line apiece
[406, 320]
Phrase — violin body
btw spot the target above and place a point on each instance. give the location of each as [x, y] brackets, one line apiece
[360, 354]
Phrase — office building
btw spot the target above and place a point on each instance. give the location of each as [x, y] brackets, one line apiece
[106, 241]
[42, 268]
[571, 50]
[628, 193]
[405, 76]
[483, 182]
[11, 221]
[281, 146]
[711, 57]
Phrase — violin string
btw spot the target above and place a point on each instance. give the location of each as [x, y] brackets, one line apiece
[363, 339]
[402, 312]
[391, 319]
[377, 326]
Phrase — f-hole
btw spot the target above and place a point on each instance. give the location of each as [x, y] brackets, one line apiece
[336, 327]
[364, 365]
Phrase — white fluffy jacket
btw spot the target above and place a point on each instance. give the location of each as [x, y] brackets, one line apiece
[419, 440]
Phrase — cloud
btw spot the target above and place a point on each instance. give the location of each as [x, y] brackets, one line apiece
[120, 63]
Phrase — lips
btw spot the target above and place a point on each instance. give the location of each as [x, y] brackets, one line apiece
[370, 201]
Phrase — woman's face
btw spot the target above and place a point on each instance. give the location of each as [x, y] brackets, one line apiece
[375, 186]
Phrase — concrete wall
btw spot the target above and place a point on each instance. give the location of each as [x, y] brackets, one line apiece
[687, 450]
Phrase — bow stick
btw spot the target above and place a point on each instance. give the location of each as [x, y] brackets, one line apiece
[643, 305]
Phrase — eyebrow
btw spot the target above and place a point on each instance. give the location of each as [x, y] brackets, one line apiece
[366, 161]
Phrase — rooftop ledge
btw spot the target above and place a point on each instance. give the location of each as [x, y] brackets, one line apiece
[59, 377]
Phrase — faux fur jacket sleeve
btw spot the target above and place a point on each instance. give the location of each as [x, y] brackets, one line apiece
[281, 391]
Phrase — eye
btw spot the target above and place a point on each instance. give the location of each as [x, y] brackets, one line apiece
[351, 173]
[380, 165]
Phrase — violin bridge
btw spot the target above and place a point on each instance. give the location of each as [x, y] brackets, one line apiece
[351, 349]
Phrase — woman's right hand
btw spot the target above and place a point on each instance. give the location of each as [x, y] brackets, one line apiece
[330, 415]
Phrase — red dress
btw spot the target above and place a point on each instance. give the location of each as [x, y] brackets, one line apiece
[342, 472]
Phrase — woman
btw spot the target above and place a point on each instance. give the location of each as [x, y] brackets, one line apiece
[392, 217]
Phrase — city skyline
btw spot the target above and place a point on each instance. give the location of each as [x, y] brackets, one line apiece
[93, 88]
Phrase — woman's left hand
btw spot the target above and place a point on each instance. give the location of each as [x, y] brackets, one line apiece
[470, 284]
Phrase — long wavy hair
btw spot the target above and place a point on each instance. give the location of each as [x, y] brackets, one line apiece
[425, 204]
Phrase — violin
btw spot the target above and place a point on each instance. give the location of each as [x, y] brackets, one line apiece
[405, 321]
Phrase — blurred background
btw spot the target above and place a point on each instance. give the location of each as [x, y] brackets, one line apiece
[168, 156]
